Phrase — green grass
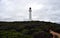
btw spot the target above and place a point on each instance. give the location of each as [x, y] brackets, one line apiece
[25, 29]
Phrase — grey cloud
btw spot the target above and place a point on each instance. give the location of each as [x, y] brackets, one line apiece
[14, 9]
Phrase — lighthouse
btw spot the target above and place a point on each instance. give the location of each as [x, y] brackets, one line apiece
[30, 14]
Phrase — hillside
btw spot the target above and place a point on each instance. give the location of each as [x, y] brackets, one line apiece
[27, 29]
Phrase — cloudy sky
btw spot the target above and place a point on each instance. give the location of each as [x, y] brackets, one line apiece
[42, 10]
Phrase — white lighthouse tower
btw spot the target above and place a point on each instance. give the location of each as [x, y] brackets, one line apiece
[30, 14]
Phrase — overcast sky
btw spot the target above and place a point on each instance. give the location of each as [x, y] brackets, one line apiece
[17, 10]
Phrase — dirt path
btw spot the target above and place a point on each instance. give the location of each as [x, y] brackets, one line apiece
[55, 34]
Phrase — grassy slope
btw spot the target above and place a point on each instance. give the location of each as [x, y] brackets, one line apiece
[25, 29]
